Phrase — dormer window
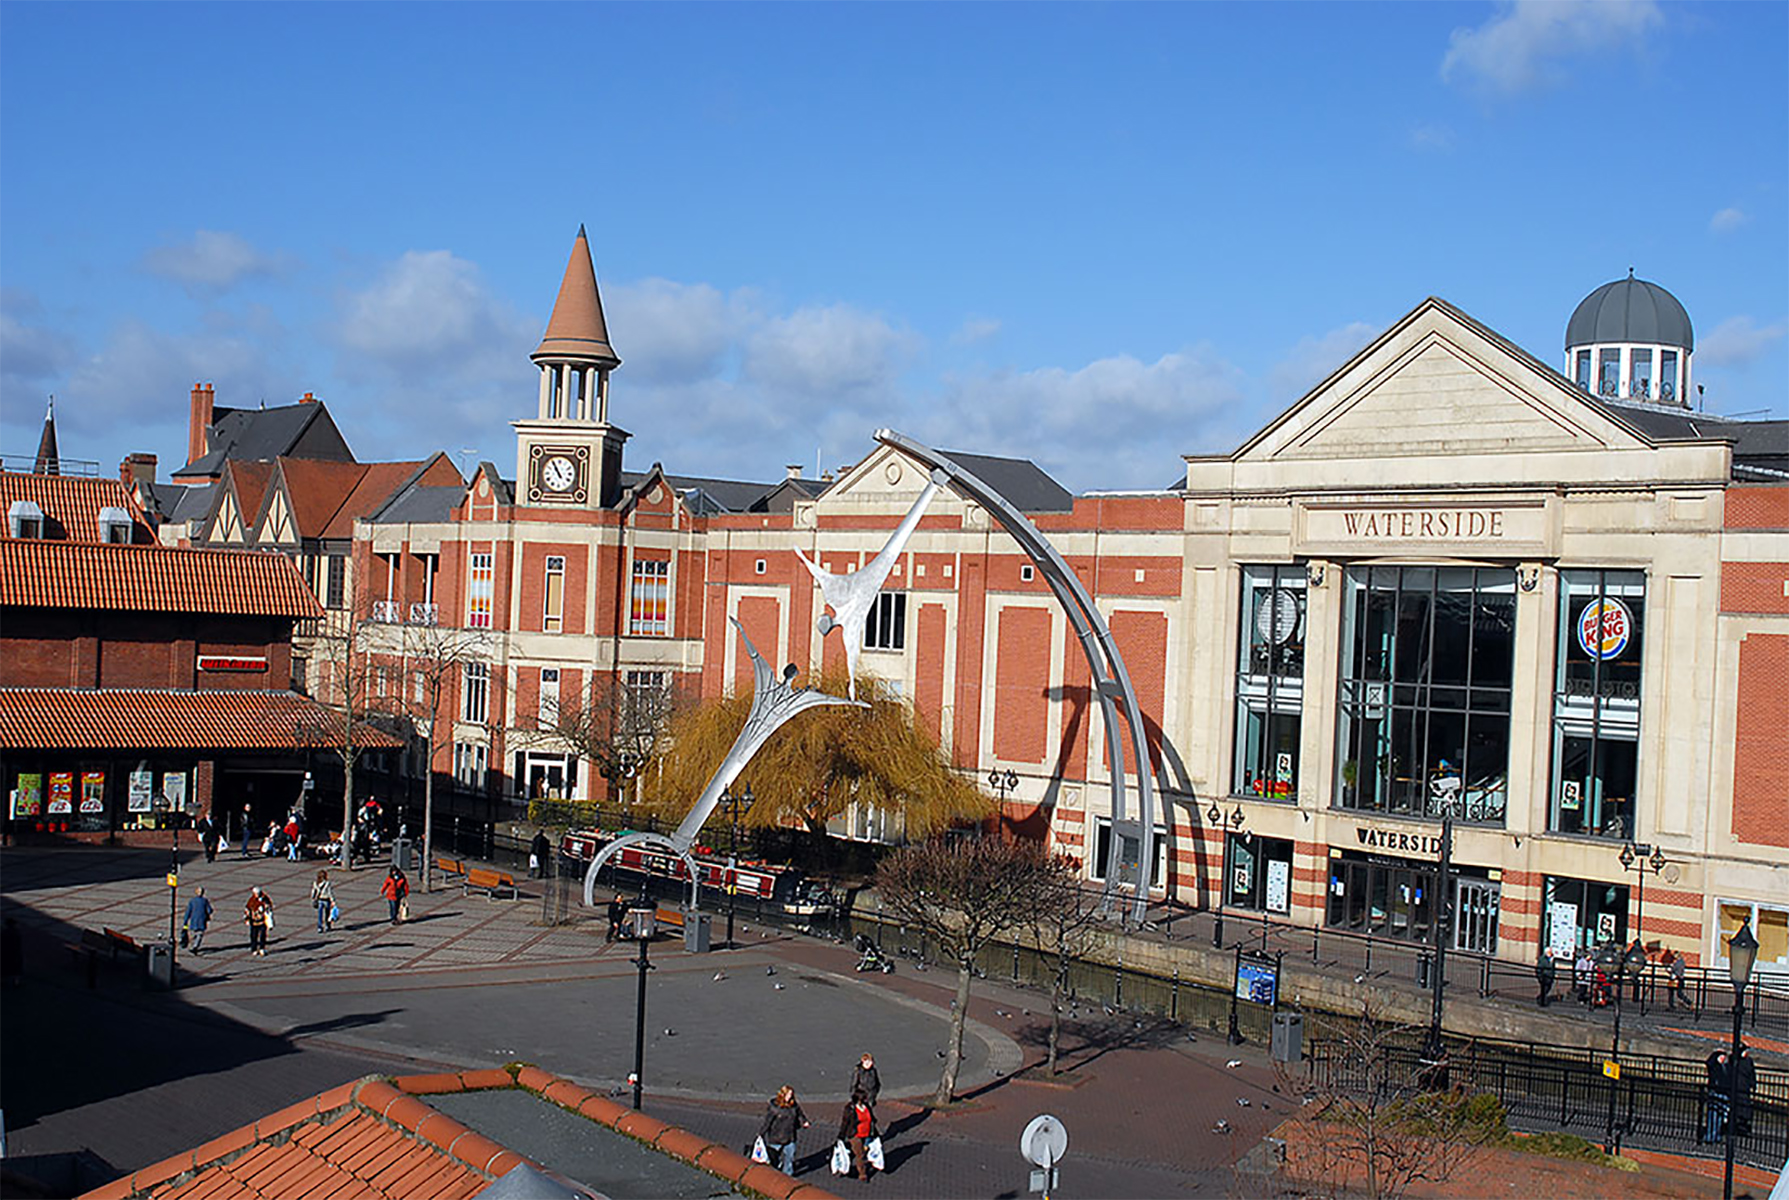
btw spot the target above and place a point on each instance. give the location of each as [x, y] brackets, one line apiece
[115, 526]
[24, 519]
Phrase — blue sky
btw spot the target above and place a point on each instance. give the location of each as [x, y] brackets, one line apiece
[1099, 237]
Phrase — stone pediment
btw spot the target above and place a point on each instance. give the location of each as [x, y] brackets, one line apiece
[885, 476]
[1439, 384]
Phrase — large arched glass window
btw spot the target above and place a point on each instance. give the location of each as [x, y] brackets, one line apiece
[1596, 702]
[1270, 681]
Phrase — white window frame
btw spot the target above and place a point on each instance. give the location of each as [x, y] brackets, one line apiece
[475, 693]
[885, 628]
[1096, 859]
[547, 711]
[477, 589]
[551, 621]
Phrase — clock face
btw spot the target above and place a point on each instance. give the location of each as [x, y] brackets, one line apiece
[559, 474]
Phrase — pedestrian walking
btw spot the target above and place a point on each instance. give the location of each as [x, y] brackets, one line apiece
[248, 827]
[1714, 1111]
[1745, 1078]
[1544, 970]
[258, 912]
[395, 889]
[208, 833]
[196, 921]
[12, 953]
[538, 850]
[1674, 973]
[1583, 969]
[323, 897]
[782, 1119]
[857, 1128]
[864, 1079]
[617, 914]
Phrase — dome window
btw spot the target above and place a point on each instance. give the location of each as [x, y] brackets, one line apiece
[24, 519]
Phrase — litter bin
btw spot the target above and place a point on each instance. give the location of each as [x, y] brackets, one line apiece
[696, 931]
[404, 854]
[1288, 1037]
[1425, 964]
[160, 962]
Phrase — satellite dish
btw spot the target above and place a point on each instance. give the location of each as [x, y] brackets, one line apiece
[1044, 1141]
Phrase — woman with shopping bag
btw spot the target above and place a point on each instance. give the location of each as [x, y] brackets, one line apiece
[258, 913]
[857, 1130]
[323, 897]
[781, 1121]
[395, 889]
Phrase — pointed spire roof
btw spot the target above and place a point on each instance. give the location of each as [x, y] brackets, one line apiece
[48, 461]
[577, 332]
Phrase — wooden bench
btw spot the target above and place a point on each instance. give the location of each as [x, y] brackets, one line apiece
[121, 943]
[670, 918]
[496, 885]
[449, 866]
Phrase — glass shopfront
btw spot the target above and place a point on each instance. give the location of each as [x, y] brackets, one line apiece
[1582, 913]
[1596, 703]
[1395, 898]
[1270, 682]
[96, 795]
[1258, 873]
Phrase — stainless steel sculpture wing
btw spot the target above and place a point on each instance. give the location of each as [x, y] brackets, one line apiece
[850, 596]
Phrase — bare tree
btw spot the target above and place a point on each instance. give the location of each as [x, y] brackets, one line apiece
[1067, 924]
[621, 724]
[1376, 1121]
[963, 894]
[431, 658]
[344, 679]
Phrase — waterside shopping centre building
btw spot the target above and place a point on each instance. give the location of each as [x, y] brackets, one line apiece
[1554, 602]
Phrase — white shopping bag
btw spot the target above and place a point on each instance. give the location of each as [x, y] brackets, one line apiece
[841, 1159]
[872, 1151]
[760, 1153]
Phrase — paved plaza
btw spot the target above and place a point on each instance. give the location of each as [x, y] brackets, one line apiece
[126, 1075]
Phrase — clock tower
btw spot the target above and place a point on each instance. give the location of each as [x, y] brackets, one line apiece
[569, 454]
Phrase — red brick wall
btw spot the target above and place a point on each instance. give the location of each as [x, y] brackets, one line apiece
[134, 663]
[1761, 742]
[1142, 639]
[761, 617]
[1757, 507]
[928, 686]
[1022, 677]
[1080, 710]
[972, 598]
[1755, 587]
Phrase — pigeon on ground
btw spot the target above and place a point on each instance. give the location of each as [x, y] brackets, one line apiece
[1233, 1064]
[719, 975]
[777, 986]
[1001, 1012]
[670, 1033]
[1359, 978]
[940, 1053]
[1221, 1127]
[770, 970]
[1242, 1101]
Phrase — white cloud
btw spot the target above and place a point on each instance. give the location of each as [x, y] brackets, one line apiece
[1311, 360]
[1737, 341]
[1728, 219]
[31, 353]
[211, 262]
[975, 329]
[1117, 422]
[668, 332]
[1519, 48]
[827, 351]
[1438, 139]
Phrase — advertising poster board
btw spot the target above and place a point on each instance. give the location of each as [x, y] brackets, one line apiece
[142, 788]
[27, 796]
[62, 792]
[93, 791]
[1256, 983]
[1562, 930]
[174, 788]
[1279, 885]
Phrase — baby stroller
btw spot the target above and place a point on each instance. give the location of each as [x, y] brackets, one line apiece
[871, 958]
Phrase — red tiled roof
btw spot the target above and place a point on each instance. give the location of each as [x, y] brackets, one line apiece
[130, 719]
[71, 504]
[152, 579]
[250, 480]
[375, 1138]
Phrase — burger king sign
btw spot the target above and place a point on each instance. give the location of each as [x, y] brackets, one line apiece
[1604, 628]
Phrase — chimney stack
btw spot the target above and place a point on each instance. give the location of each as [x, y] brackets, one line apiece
[198, 425]
[792, 471]
[307, 398]
[137, 468]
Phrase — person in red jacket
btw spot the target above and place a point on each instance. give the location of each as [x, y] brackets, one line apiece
[857, 1125]
[394, 889]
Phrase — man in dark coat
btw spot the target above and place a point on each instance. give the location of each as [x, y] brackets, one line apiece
[617, 914]
[1714, 1110]
[538, 850]
[864, 1079]
[1745, 1078]
[1543, 973]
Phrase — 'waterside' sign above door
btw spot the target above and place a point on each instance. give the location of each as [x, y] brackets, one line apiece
[1454, 528]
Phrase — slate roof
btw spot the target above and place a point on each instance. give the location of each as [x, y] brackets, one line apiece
[1630, 310]
[255, 434]
[152, 578]
[1755, 443]
[71, 504]
[1026, 486]
[176, 501]
[421, 506]
[377, 1137]
[164, 719]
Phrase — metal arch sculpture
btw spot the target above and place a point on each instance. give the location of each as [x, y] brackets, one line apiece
[1103, 659]
[851, 596]
[774, 702]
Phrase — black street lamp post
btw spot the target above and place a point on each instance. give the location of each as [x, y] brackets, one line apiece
[1216, 818]
[734, 800]
[1003, 782]
[1634, 856]
[644, 921]
[1742, 953]
[1630, 964]
[1434, 1052]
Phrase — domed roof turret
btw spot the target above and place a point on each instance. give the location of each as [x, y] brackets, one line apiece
[1630, 310]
